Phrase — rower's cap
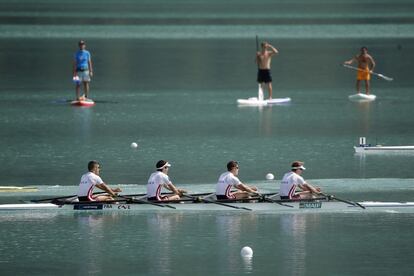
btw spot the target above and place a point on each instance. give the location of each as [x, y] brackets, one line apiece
[162, 164]
[298, 165]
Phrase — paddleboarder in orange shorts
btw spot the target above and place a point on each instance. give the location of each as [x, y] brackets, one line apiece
[366, 66]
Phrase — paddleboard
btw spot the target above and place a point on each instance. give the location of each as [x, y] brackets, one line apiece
[83, 102]
[362, 97]
[254, 101]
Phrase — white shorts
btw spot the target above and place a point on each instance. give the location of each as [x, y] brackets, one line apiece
[84, 75]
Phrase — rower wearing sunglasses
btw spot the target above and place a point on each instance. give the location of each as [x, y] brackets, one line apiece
[229, 180]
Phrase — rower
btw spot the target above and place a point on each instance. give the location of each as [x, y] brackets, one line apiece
[91, 179]
[292, 180]
[160, 179]
[228, 180]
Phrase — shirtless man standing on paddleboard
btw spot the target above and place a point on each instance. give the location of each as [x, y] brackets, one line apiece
[366, 66]
[263, 60]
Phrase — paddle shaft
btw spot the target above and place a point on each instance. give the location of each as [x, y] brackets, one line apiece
[373, 73]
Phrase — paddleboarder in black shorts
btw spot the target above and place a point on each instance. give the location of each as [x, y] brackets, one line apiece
[263, 60]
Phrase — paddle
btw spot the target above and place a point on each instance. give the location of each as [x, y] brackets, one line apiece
[373, 73]
[343, 200]
[216, 202]
[135, 200]
[260, 90]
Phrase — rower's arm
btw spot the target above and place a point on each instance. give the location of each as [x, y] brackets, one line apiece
[245, 188]
[309, 187]
[174, 189]
[105, 188]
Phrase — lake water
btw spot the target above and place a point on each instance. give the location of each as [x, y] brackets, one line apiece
[167, 76]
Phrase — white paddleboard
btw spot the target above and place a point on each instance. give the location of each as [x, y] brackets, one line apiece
[256, 102]
[362, 97]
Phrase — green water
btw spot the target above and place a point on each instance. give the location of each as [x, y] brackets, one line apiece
[167, 76]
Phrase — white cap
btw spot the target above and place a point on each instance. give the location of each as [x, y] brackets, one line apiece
[301, 167]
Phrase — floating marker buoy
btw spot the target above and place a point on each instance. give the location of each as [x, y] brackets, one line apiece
[246, 252]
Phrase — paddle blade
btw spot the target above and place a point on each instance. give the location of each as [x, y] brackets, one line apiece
[385, 77]
[260, 93]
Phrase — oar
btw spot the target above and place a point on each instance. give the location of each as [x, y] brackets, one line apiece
[135, 200]
[59, 198]
[216, 202]
[277, 202]
[373, 73]
[343, 200]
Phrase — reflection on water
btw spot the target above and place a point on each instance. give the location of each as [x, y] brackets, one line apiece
[92, 235]
[364, 117]
[294, 231]
[162, 228]
[82, 118]
[247, 264]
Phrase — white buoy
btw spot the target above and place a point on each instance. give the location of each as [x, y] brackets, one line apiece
[246, 252]
[134, 145]
[270, 176]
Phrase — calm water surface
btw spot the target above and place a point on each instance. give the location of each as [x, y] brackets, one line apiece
[167, 76]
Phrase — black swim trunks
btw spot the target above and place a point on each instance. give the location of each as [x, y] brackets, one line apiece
[264, 75]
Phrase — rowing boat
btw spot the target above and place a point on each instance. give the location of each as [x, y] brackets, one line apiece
[363, 147]
[321, 204]
[379, 149]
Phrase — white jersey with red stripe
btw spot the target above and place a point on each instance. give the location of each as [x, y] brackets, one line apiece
[155, 183]
[289, 183]
[225, 182]
[88, 181]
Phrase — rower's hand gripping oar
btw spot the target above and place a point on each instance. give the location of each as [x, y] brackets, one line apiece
[373, 73]
[343, 200]
[216, 202]
[135, 200]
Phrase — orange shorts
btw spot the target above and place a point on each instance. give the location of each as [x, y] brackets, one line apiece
[363, 75]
